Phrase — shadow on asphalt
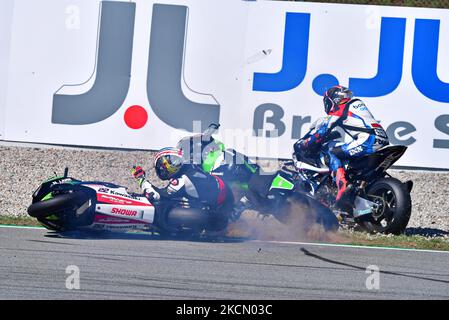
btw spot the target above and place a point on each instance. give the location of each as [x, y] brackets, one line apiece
[313, 255]
[148, 236]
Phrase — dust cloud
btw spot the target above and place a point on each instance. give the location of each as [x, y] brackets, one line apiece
[298, 224]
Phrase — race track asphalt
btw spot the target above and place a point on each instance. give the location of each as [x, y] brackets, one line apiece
[33, 265]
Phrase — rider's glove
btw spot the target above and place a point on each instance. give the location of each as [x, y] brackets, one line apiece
[303, 144]
[300, 145]
[150, 192]
[139, 174]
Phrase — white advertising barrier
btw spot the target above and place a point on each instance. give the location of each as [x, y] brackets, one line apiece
[5, 36]
[387, 55]
[77, 68]
[139, 74]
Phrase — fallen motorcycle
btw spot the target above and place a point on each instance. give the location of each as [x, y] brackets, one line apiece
[64, 204]
[270, 193]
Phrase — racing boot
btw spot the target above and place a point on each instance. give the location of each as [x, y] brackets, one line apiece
[343, 187]
[242, 205]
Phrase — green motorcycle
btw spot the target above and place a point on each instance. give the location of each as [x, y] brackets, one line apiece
[277, 194]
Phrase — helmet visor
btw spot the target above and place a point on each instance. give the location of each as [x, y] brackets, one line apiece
[328, 104]
[167, 166]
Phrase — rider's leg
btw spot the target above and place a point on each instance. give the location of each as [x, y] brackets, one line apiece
[357, 148]
[258, 184]
[339, 172]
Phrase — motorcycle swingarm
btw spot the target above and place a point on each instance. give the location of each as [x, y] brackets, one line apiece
[362, 207]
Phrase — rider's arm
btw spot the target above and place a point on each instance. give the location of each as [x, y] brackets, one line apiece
[175, 188]
[318, 135]
[317, 129]
[150, 190]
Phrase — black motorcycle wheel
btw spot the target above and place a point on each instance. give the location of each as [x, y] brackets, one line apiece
[323, 215]
[320, 214]
[395, 207]
[192, 221]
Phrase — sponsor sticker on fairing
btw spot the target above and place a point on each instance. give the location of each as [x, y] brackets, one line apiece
[124, 212]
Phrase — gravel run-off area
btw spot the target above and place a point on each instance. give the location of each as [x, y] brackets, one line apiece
[22, 169]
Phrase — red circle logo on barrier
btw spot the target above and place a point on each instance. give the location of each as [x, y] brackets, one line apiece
[136, 117]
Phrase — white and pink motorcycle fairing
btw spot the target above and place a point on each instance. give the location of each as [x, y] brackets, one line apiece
[63, 204]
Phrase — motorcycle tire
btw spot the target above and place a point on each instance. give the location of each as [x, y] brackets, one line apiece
[190, 218]
[396, 206]
[321, 214]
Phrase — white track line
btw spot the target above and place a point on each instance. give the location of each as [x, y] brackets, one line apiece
[20, 227]
[352, 246]
[291, 242]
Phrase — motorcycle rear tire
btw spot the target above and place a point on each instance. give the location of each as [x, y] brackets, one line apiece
[194, 219]
[402, 210]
